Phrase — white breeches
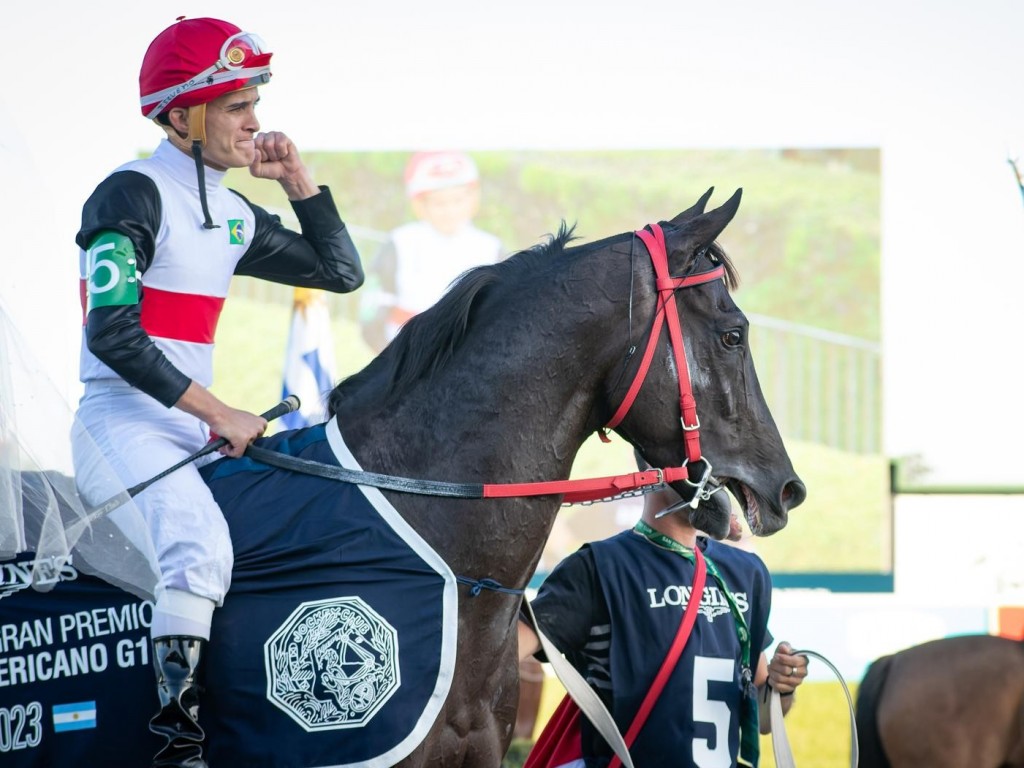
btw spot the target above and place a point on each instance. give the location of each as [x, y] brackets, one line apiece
[141, 438]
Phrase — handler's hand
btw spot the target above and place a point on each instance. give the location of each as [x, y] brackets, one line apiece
[278, 158]
[786, 671]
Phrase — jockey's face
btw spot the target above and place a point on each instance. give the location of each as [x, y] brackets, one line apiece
[231, 126]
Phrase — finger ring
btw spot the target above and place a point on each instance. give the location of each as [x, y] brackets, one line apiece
[792, 671]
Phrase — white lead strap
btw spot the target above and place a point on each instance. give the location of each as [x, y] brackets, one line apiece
[780, 741]
[581, 692]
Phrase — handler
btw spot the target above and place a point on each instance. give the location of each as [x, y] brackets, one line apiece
[613, 608]
[160, 239]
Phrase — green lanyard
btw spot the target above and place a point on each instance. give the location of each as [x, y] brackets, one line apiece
[749, 735]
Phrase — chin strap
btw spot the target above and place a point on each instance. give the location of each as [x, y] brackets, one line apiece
[197, 135]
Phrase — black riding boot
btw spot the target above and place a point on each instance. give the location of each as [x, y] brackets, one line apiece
[175, 660]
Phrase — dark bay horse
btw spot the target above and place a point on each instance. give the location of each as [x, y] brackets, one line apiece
[500, 382]
[504, 379]
[957, 702]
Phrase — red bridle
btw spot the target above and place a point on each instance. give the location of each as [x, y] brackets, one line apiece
[666, 313]
[591, 489]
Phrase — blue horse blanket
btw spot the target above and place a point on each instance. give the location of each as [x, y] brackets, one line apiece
[335, 645]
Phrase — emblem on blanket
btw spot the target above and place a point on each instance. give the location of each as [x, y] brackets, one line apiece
[332, 664]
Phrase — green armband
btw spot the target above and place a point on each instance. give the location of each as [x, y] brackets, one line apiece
[110, 265]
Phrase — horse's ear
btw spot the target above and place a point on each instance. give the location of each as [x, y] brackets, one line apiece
[704, 229]
[696, 210]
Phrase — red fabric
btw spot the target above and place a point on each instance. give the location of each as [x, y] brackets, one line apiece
[559, 742]
[181, 316]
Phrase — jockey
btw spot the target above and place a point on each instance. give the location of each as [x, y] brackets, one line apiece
[160, 240]
[423, 257]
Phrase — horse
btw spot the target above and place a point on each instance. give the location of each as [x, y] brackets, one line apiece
[504, 379]
[956, 702]
[501, 382]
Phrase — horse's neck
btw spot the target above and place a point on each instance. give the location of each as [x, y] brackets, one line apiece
[513, 405]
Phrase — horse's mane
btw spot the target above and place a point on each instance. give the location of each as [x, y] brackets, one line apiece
[426, 343]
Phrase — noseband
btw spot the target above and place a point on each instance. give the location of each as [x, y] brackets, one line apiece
[667, 314]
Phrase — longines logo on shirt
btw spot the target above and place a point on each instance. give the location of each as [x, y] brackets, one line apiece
[15, 577]
[713, 603]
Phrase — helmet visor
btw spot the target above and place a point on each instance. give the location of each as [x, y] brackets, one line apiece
[243, 56]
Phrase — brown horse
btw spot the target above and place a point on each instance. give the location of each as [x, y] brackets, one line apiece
[957, 702]
[504, 379]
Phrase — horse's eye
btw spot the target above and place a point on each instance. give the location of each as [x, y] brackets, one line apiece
[732, 338]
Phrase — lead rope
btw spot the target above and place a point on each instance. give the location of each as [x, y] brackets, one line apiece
[780, 741]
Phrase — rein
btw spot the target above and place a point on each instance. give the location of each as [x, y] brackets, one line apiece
[572, 491]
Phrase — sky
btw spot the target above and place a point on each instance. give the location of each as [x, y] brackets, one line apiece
[934, 85]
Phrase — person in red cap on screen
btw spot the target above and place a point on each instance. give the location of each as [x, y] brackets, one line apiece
[422, 258]
[160, 240]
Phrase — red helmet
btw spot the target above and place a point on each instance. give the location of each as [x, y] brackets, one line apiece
[196, 60]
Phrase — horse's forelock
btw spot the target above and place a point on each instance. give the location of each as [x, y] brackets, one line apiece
[716, 253]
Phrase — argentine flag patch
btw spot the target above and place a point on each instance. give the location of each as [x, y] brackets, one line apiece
[74, 717]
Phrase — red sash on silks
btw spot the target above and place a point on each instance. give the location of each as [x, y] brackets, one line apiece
[559, 743]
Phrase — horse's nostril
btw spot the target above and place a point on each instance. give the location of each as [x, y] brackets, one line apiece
[793, 494]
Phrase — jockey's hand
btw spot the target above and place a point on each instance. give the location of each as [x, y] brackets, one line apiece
[277, 158]
[239, 428]
[786, 671]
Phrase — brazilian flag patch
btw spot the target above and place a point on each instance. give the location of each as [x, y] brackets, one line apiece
[236, 231]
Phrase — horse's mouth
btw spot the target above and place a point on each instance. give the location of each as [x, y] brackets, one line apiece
[749, 502]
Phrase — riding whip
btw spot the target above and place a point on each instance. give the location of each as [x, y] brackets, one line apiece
[289, 404]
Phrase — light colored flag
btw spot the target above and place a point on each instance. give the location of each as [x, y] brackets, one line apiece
[309, 359]
[74, 717]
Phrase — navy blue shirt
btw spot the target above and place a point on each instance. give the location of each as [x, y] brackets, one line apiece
[614, 607]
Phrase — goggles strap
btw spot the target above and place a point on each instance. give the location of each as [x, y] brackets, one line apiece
[197, 153]
[197, 135]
